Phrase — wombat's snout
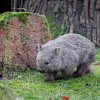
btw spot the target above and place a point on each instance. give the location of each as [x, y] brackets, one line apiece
[40, 66]
[46, 63]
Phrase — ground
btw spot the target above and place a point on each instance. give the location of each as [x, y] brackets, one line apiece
[30, 85]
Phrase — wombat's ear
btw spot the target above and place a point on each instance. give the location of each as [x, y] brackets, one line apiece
[38, 48]
[57, 50]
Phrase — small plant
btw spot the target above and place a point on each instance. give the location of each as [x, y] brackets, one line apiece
[56, 30]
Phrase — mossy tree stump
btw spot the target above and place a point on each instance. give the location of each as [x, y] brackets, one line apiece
[20, 33]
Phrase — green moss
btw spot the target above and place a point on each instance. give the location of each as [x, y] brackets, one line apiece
[47, 26]
[5, 17]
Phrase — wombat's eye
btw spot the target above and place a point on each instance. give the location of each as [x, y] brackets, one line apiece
[46, 63]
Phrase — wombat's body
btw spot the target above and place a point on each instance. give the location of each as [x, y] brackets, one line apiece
[71, 53]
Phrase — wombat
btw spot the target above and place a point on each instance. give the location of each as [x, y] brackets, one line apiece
[72, 54]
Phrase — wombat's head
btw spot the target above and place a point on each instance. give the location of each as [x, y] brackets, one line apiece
[48, 58]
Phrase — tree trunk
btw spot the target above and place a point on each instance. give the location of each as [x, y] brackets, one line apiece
[81, 16]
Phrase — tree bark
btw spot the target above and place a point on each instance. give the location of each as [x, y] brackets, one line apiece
[81, 16]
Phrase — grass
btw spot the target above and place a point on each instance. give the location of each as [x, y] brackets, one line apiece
[30, 85]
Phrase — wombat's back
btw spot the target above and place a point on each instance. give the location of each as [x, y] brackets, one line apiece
[75, 40]
[72, 42]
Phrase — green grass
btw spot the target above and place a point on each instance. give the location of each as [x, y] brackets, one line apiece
[30, 85]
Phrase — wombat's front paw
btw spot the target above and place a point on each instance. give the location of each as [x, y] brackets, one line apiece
[89, 70]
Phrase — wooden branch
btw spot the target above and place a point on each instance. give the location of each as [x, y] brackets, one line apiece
[98, 5]
[15, 5]
[26, 4]
[35, 5]
[92, 8]
[74, 5]
[44, 7]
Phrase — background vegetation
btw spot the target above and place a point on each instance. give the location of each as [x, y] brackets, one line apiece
[56, 30]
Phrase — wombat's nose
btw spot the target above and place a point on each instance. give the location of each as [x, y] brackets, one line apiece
[46, 63]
